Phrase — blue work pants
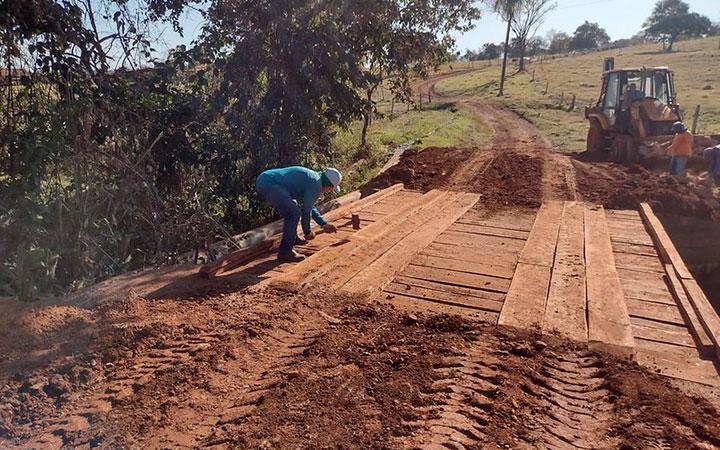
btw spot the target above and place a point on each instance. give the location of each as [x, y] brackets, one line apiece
[280, 199]
[678, 166]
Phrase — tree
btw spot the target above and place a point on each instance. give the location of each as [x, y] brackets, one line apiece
[671, 19]
[491, 51]
[589, 36]
[559, 43]
[399, 40]
[528, 17]
[507, 10]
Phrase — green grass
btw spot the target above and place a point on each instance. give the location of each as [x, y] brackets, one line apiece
[437, 125]
[697, 81]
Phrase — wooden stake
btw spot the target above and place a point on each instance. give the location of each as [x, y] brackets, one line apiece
[695, 118]
[547, 86]
[572, 105]
[562, 98]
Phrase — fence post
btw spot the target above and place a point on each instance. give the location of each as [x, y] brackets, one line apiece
[429, 97]
[392, 106]
[562, 98]
[533, 76]
[547, 86]
[695, 118]
[572, 105]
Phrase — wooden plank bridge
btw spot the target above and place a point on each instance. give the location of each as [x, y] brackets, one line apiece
[609, 279]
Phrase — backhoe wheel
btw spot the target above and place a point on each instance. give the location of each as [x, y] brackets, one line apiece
[596, 138]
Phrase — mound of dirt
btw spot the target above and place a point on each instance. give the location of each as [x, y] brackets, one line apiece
[422, 170]
[617, 186]
[510, 180]
[505, 179]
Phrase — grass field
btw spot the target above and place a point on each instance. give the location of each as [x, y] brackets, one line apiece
[696, 64]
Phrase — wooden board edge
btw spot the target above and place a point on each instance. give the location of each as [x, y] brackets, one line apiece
[697, 330]
[662, 241]
[705, 312]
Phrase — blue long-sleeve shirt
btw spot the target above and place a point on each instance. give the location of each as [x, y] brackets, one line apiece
[303, 185]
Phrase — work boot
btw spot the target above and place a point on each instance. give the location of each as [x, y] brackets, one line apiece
[291, 256]
[300, 241]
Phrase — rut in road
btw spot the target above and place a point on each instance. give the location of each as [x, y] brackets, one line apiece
[561, 404]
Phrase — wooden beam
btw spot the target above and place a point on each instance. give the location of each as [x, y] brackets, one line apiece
[609, 327]
[540, 246]
[525, 302]
[703, 341]
[565, 312]
[663, 242]
[383, 269]
[524, 305]
[235, 259]
[329, 257]
[705, 312]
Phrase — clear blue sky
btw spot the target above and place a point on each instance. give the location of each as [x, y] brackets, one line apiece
[621, 19]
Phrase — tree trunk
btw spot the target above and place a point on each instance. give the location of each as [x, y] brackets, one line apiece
[521, 67]
[505, 54]
[671, 41]
[367, 117]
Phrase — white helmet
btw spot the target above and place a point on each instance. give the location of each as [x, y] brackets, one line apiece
[334, 176]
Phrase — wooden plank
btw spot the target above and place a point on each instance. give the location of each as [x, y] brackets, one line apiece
[235, 259]
[443, 297]
[384, 268]
[349, 267]
[504, 257]
[679, 337]
[540, 246]
[632, 241]
[475, 241]
[705, 312]
[655, 311]
[458, 290]
[509, 226]
[609, 327]
[643, 250]
[638, 262]
[622, 213]
[703, 341]
[636, 291]
[690, 368]
[413, 304]
[524, 305]
[504, 219]
[525, 302]
[324, 260]
[458, 278]
[663, 243]
[488, 231]
[469, 266]
[565, 311]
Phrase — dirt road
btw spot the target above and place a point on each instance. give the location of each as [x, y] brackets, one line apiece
[512, 135]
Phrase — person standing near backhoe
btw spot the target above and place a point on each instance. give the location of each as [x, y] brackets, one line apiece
[293, 191]
[680, 149]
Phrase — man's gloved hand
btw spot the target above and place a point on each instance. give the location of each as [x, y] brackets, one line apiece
[329, 228]
[310, 236]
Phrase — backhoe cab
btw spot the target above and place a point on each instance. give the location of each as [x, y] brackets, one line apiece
[636, 106]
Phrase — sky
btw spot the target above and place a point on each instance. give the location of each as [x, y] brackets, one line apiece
[621, 19]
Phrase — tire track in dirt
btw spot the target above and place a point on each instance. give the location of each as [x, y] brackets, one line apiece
[283, 349]
[564, 402]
